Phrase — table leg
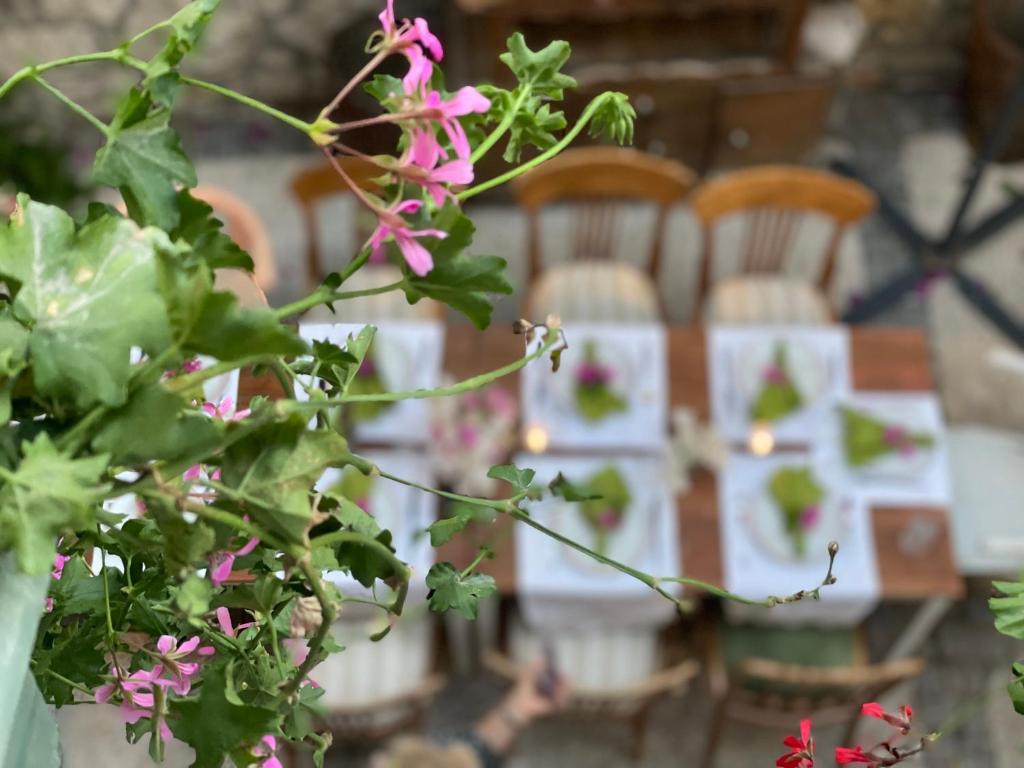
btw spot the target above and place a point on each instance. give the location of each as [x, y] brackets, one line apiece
[920, 627]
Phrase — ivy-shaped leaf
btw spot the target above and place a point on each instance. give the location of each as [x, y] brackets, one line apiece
[213, 726]
[186, 26]
[144, 159]
[519, 479]
[227, 331]
[459, 516]
[459, 280]
[533, 129]
[278, 464]
[48, 493]
[88, 297]
[449, 589]
[204, 232]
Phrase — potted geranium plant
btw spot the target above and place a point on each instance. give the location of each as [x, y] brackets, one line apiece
[137, 611]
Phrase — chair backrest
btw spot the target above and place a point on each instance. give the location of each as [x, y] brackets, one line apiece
[597, 180]
[312, 186]
[776, 199]
[246, 228]
[770, 693]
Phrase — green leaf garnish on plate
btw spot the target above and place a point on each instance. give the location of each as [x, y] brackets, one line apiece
[605, 513]
[866, 439]
[778, 396]
[595, 399]
[798, 497]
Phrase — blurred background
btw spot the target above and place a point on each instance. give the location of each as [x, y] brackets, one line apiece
[731, 96]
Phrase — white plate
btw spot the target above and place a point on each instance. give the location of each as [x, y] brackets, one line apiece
[806, 367]
[763, 518]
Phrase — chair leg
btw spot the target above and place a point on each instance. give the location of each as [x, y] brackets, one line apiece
[714, 734]
[639, 722]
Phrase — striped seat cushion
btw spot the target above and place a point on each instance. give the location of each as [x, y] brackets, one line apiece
[595, 291]
[766, 299]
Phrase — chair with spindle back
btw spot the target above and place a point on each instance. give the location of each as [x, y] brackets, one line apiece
[599, 182]
[245, 227]
[311, 188]
[776, 201]
[776, 694]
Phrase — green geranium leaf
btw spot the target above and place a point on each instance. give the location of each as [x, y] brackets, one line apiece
[227, 331]
[186, 26]
[279, 464]
[449, 589]
[213, 726]
[48, 493]
[459, 280]
[157, 424]
[204, 232]
[1009, 609]
[89, 296]
[1016, 688]
[519, 479]
[533, 129]
[193, 599]
[459, 516]
[563, 488]
[143, 157]
[13, 360]
[539, 69]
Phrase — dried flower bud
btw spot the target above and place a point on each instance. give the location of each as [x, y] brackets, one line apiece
[833, 548]
[521, 326]
[306, 617]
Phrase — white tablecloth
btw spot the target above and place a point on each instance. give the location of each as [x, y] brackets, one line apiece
[560, 588]
[754, 570]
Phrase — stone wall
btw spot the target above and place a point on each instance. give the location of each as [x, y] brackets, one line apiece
[276, 50]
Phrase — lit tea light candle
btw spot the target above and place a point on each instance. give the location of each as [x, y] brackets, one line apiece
[536, 439]
[761, 440]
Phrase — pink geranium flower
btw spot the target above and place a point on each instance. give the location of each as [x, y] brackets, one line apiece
[225, 410]
[848, 756]
[137, 698]
[391, 224]
[224, 621]
[266, 751]
[402, 36]
[182, 672]
[467, 100]
[222, 562]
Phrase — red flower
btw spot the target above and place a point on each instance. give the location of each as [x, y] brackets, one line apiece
[900, 721]
[801, 751]
[846, 756]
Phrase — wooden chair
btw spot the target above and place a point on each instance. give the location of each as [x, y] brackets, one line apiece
[615, 674]
[598, 180]
[776, 694]
[246, 228]
[776, 200]
[312, 186]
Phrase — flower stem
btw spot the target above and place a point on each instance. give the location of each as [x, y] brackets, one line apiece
[328, 612]
[483, 554]
[475, 382]
[60, 678]
[361, 75]
[74, 106]
[543, 157]
[503, 126]
[325, 296]
[259, 106]
[29, 72]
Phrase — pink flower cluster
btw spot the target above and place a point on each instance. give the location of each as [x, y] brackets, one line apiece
[801, 749]
[179, 666]
[423, 114]
[59, 561]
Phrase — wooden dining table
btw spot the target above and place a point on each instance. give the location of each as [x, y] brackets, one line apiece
[882, 358]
